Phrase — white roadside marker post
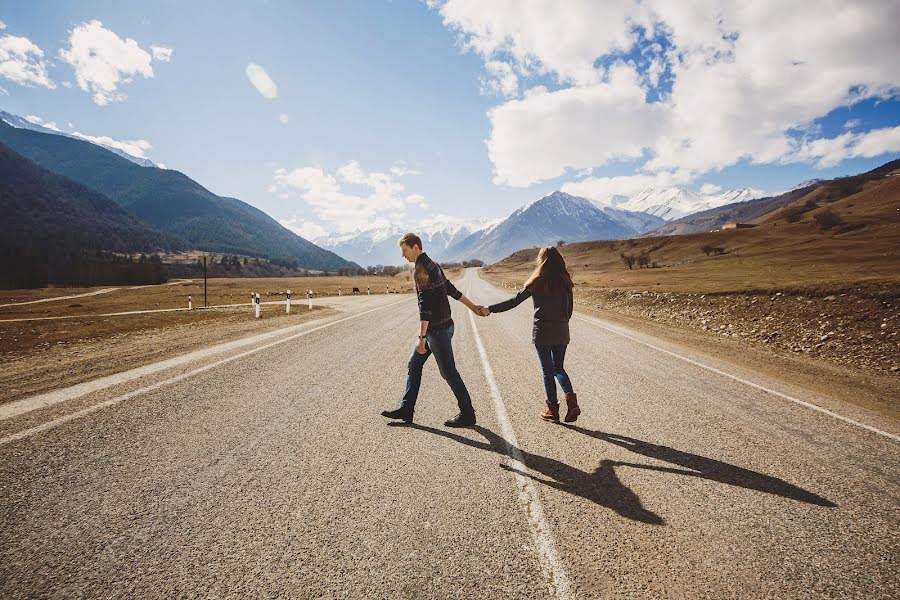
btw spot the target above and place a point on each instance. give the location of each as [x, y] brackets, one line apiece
[257, 305]
[287, 305]
[309, 296]
[368, 291]
[190, 304]
[339, 291]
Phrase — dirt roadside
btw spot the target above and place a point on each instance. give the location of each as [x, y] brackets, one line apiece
[39, 356]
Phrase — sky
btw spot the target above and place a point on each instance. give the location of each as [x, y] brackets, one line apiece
[337, 116]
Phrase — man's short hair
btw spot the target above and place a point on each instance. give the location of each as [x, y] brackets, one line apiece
[410, 239]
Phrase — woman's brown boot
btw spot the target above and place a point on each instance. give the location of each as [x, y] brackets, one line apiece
[552, 412]
[572, 410]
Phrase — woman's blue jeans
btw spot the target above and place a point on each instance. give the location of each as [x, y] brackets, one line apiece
[552, 359]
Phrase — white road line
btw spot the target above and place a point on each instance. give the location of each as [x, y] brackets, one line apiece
[118, 399]
[529, 498]
[825, 411]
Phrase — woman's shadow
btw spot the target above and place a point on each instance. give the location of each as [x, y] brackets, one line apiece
[603, 486]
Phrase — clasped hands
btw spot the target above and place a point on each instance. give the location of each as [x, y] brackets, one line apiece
[482, 311]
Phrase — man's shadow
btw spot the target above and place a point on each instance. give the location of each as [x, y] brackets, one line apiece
[603, 486]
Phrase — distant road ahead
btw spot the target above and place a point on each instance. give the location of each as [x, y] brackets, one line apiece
[272, 474]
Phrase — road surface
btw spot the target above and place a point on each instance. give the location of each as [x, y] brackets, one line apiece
[268, 472]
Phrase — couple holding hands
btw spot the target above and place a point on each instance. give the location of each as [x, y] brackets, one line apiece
[549, 287]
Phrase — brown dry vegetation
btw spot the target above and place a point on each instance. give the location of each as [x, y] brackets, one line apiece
[826, 292]
[219, 291]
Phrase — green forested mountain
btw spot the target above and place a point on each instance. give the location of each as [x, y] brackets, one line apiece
[55, 230]
[42, 211]
[170, 201]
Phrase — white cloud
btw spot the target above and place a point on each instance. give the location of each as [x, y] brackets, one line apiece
[503, 79]
[136, 148]
[305, 229]
[261, 81]
[401, 170]
[161, 53]
[542, 135]
[22, 62]
[416, 200]
[719, 80]
[828, 152]
[852, 124]
[710, 188]
[3, 91]
[103, 61]
[380, 201]
[283, 119]
[2, 25]
[39, 121]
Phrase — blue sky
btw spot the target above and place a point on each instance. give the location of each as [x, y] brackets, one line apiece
[400, 112]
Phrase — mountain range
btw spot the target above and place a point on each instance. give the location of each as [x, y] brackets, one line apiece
[23, 123]
[558, 216]
[169, 200]
[676, 202]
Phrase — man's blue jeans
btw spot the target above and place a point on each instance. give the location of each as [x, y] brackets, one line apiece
[552, 359]
[438, 342]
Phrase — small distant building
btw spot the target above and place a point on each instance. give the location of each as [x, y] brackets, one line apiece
[737, 226]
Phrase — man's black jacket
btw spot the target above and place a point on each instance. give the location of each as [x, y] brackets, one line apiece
[432, 289]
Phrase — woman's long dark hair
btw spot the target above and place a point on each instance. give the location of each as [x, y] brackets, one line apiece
[550, 276]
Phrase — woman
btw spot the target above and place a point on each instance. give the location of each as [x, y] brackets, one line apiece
[550, 288]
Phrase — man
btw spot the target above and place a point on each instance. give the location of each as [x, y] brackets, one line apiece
[435, 334]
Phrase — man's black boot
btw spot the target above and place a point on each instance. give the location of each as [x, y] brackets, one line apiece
[403, 414]
[461, 420]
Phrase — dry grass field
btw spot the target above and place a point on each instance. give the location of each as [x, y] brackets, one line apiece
[793, 288]
[775, 255]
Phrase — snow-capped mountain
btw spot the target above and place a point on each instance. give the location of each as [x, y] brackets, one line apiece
[378, 246]
[804, 184]
[676, 202]
[556, 217]
[23, 123]
[666, 203]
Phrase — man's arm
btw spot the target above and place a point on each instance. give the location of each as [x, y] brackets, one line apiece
[454, 293]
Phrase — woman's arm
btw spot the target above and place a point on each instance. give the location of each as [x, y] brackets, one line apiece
[511, 303]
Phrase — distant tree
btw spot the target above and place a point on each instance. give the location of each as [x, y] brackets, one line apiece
[828, 219]
[643, 261]
[707, 249]
[628, 259]
[718, 251]
[560, 243]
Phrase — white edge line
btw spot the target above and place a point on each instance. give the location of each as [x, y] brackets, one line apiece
[113, 401]
[529, 498]
[825, 411]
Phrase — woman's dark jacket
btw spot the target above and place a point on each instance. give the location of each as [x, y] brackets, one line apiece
[551, 315]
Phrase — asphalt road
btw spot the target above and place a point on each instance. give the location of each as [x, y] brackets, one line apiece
[269, 473]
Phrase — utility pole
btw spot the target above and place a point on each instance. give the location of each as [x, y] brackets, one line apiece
[205, 305]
